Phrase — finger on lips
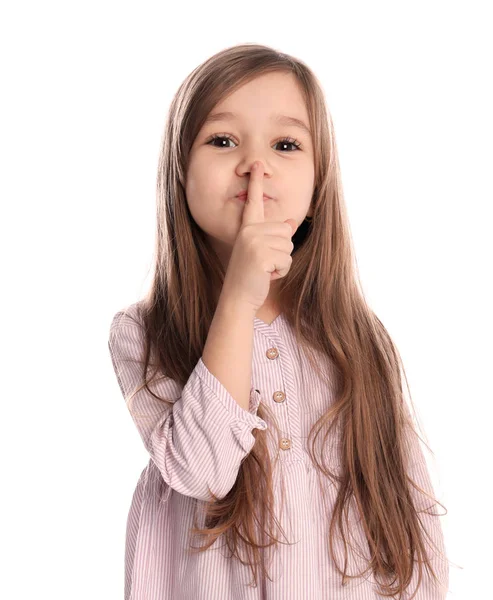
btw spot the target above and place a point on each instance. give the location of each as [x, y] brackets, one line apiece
[253, 211]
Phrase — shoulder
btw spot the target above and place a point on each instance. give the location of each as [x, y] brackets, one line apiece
[130, 315]
[126, 336]
[126, 339]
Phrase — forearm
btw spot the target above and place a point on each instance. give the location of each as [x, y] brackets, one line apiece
[229, 347]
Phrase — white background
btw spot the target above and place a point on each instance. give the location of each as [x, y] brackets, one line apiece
[85, 92]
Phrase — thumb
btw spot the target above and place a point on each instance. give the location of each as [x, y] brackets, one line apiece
[293, 224]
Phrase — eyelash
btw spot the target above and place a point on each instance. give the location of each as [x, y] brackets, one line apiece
[228, 137]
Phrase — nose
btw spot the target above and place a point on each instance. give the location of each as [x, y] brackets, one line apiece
[250, 162]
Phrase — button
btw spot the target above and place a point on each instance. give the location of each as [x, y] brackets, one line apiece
[285, 443]
[279, 396]
[272, 353]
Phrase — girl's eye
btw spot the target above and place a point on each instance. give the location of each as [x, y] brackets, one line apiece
[214, 138]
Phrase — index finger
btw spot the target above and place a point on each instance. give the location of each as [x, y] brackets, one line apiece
[253, 211]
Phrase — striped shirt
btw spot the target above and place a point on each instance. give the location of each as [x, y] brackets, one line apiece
[201, 440]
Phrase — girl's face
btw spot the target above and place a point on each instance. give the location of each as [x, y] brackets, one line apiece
[219, 169]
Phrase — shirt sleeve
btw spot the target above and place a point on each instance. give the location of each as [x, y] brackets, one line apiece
[199, 441]
[429, 513]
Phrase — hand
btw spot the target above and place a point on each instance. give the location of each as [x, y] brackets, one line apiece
[262, 251]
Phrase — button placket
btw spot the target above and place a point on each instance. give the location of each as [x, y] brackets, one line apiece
[285, 443]
[278, 396]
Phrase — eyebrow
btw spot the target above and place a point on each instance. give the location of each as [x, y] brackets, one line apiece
[281, 119]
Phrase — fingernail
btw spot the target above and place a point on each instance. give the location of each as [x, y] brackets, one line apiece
[255, 166]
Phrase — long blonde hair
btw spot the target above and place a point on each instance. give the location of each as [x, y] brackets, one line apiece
[322, 300]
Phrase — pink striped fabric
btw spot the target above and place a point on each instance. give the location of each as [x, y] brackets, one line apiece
[201, 441]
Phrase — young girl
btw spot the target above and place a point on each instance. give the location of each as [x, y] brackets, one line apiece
[284, 463]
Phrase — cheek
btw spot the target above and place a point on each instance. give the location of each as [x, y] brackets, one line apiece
[204, 214]
[207, 186]
[193, 183]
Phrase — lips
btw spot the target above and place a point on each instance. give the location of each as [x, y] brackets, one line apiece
[243, 195]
